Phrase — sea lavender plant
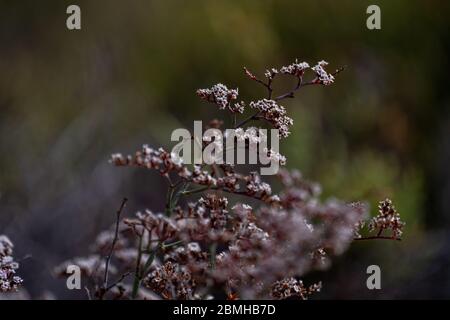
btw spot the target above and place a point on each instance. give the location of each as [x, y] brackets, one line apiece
[9, 281]
[211, 248]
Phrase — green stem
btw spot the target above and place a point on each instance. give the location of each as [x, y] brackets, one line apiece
[169, 200]
[149, 261]
[189, 192]
[212, 253]
[164, 246]
[137, 277]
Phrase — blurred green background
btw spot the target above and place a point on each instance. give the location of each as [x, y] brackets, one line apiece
[68, 99]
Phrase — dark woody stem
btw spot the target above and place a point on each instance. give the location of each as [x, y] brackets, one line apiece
[269, 88]
[245, 121]
[300, 84]
[290, 94]
[116, 236]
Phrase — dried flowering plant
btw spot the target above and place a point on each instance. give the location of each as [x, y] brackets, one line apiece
[9, 281]
[387, 219]
[202, 246]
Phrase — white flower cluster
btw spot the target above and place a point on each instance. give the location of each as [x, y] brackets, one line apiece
[237, 107]
[387, 218]
[158, 224]
[270, 74]
[295, 69]
[274, 114]
[220, 95]
[291, 287]
[8, 279]
[323, 77]
[275, 156]
[252, 134]
[256, 186]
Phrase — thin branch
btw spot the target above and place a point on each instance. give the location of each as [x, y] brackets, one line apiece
[224, 189]
[245, 121]
[290, 94]
[88, 293]
[255, 78]
[126, 274]
[269, 88]
[339, 70]
[301, 84]
[116, 236]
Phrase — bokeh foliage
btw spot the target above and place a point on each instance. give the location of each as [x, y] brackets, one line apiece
[70, 98]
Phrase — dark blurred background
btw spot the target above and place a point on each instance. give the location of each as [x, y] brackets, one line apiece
[68, 99]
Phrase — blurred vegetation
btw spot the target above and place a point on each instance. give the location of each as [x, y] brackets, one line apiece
[68, 99]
